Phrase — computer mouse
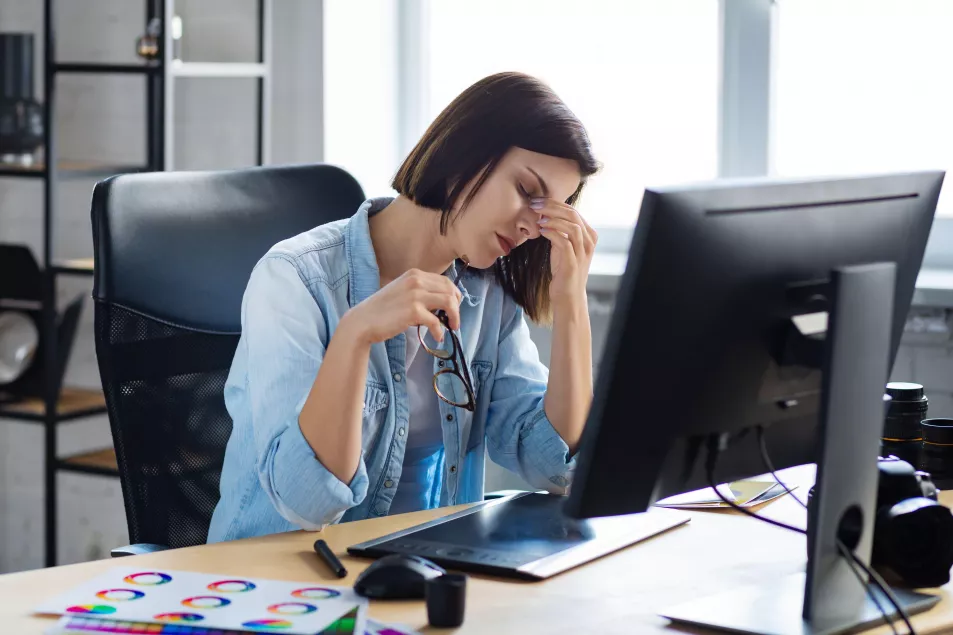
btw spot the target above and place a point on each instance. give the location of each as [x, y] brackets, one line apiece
[397, 577]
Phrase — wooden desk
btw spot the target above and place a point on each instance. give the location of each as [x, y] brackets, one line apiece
[620, 593]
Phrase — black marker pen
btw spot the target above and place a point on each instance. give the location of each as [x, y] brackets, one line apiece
[322, 549]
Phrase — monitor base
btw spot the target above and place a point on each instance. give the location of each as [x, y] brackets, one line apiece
[776, 609]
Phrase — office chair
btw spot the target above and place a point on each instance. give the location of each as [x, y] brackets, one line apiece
[173, 253]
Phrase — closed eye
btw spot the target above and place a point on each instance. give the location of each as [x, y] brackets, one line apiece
[523, 192]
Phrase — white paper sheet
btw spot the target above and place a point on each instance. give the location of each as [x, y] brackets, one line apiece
[211, 601]
[747, 493]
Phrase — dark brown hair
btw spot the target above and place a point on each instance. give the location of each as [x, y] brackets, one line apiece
[468, 140]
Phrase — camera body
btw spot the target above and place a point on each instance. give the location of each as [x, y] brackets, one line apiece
[913, 533]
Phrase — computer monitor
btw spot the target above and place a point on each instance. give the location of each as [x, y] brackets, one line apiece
[720, 328]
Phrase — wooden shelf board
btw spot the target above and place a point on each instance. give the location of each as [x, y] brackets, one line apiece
[76, 264]
[72, 401]
[98, 459]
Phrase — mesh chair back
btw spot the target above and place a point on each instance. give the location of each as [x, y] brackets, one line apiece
[173, 253]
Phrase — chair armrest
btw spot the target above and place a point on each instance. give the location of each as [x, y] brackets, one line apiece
[136, 550]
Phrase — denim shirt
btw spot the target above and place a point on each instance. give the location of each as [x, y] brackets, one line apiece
[271, 479]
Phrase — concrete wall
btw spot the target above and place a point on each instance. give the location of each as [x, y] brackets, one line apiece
[102, 119]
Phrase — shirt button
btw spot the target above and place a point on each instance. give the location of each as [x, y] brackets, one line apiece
[388, 483]
[449, 417]
[453, 469]
[441, 363]
[396, 376]
[400, 431]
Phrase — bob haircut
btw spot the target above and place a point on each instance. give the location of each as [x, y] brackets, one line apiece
[467, 141]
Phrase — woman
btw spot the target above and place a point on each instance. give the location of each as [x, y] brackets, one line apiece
[339, 412]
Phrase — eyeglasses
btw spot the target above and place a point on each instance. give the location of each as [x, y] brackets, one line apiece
[457, 368]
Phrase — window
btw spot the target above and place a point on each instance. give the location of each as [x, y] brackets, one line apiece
[864, 86]
[642, 75]
[360, 90]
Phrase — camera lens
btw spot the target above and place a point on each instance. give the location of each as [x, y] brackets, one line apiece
[902, 436]
[937, 454]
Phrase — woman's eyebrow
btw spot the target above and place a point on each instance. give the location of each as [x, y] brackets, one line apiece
[542, 183]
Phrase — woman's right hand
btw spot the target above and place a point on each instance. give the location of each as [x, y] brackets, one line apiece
[408, 301]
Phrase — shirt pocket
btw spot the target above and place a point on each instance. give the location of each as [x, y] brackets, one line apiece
[374, 412]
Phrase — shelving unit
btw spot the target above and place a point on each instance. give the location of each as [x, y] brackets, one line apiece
[160, 75]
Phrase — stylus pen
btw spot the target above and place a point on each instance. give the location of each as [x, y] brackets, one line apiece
[323, 550]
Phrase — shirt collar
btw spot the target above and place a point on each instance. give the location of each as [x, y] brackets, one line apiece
[365, 277]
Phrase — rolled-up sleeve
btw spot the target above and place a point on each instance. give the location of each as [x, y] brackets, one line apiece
[520, 437]
[286, 336]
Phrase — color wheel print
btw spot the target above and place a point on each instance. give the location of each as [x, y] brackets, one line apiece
[205, 602]
[93, 609]
[292, 608]
[120, 595]
[315, 593]
[147, 578]
[231, 586]
[268, 625]
[178, 617]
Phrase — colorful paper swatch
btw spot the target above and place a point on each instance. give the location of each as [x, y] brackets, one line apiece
[120, 595]
[148, 578]
[210, 601]
[315, 593]
[75, 625]
[90, 625]
[292, 608]
[179, 617]
[231, 586]
[268, 625]
[95, 609]
[205, 602]
[379, 628]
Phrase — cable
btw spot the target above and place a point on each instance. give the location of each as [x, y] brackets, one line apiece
[767, 463]
[714, 449]
[851, 557]
[885, 589]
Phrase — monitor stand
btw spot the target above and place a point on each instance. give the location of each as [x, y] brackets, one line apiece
[828, 598]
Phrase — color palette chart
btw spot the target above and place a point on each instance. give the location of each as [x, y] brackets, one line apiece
[74, 625]
[188, 603]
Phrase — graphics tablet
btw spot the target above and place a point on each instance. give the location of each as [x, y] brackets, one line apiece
[523, 536]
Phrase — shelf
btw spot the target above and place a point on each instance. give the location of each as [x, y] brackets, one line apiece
[70, 170]
[74, 403]
[106, 69]
[207, 69]
[20, 171]
[102, 462]
[74, 266]
[178, 68]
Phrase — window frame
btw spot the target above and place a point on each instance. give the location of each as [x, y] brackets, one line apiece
[747, 71]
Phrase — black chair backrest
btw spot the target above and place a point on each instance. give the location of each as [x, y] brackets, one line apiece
[173, 253]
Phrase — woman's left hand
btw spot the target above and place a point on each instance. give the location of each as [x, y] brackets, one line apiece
[573, 244]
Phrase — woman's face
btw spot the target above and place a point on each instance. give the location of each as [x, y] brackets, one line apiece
[499, 218]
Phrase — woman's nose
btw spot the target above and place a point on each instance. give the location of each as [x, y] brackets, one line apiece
[528, 225]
